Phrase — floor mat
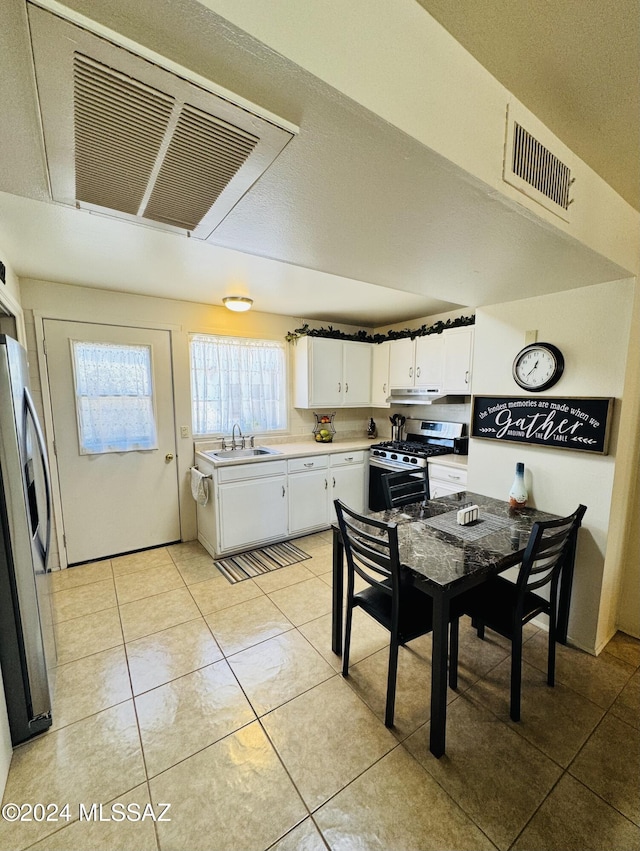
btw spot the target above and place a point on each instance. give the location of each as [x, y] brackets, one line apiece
[253, 563]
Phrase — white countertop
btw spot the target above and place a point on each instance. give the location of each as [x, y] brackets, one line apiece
[295, 449]
[459, 462]
[301, 448]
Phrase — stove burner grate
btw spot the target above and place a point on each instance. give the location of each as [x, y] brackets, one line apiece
[408, 447]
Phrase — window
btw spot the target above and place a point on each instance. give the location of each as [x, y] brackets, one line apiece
[114, 397]
[236, 380]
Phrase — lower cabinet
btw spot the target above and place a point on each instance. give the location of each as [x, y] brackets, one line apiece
[308, 494]
[254, 504]
[251, 505]
[347, 481]
[444, 480]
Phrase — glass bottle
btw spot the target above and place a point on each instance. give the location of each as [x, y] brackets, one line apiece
[372, 431]
[518, 493]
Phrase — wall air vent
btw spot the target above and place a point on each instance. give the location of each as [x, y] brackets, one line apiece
[535, 170]
[129, 138]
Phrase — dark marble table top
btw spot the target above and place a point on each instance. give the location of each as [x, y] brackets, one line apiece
[445, 559]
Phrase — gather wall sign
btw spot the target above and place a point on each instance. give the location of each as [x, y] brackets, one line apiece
[555, 422]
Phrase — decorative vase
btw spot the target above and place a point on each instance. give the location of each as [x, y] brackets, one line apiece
[518, 494]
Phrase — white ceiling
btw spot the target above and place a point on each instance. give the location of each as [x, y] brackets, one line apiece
[354, 222]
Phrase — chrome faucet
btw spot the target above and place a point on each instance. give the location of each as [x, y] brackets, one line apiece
[233, 437]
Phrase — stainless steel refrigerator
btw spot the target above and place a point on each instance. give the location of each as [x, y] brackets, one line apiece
[27, 642]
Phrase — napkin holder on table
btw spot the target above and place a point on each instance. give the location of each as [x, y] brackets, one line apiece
[467, 515]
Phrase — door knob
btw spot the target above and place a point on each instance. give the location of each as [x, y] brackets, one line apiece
[168, 456]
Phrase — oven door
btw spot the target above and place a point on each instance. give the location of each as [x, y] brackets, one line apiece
[377, 469]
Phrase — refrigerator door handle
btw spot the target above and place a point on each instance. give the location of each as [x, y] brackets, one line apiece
[30, 412]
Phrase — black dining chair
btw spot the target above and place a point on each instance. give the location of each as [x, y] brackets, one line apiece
[505, 606]
[405, 487]
[390, 598]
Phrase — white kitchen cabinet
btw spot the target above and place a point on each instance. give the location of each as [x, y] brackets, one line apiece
[251, 505]
[458, 350]
[357, 360]
[444, 480]
[332, 373]
[429, 360]
[308, 480]
[401, 362]
[380, 375]
[259, 503]
[417, 363]
[347, 481]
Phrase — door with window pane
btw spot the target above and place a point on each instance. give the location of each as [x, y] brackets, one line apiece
[114, 429]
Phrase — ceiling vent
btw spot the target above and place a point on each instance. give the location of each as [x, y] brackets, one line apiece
[126, 137]
[533, 169]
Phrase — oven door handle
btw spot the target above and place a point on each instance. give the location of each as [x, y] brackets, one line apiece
[391, 465]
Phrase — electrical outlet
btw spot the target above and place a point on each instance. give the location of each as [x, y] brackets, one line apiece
[184, 431]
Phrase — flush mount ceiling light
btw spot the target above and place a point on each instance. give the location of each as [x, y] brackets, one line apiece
[239, 303]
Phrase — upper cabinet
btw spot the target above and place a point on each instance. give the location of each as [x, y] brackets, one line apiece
[332, 373]
[458, 351]
[417, 363]
[380, 375]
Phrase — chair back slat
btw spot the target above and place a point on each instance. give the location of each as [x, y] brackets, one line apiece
[371, 548]
[405, 487]
[545, 554]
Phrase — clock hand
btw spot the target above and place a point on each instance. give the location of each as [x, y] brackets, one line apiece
[532, 368]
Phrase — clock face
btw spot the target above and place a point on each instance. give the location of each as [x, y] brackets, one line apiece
[538, 366]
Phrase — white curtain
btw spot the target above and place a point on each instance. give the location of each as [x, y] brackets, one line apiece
[237, 380]
[114, 397]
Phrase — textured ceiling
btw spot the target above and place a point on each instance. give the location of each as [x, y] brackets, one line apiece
[574, 63]
[354, 222]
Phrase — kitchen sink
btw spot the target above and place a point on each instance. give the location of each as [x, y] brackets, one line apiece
[235, 454]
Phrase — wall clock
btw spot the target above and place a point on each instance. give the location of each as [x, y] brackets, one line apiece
[538, 366]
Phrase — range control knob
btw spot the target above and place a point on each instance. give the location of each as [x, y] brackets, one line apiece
[406, 459]
[414, 460]
[393, 456]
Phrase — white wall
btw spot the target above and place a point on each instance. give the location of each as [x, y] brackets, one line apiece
[591, 327]
[44, 299]
[624, 529]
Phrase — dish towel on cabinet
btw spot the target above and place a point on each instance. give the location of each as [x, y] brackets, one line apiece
[199, 486]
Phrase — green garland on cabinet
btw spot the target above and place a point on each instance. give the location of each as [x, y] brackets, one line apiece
[364, 337]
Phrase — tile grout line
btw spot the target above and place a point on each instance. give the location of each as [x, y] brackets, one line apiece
[564, 770]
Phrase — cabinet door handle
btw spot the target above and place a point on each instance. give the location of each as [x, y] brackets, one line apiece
[283, 491]
[466, 377]
[410, 372]
[339, 387]
[334, 481]
[308, 463]
[350, 458]
[346, 387]
[384, 388]
[418, 372]
[326, 484]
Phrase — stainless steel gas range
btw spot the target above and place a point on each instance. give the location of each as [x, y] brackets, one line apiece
[424, 439]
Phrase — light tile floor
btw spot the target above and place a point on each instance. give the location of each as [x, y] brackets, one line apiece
[226, 702]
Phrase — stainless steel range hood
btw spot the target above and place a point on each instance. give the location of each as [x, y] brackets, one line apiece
[414, 395]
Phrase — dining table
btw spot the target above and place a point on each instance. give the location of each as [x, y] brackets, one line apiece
[448, 559]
